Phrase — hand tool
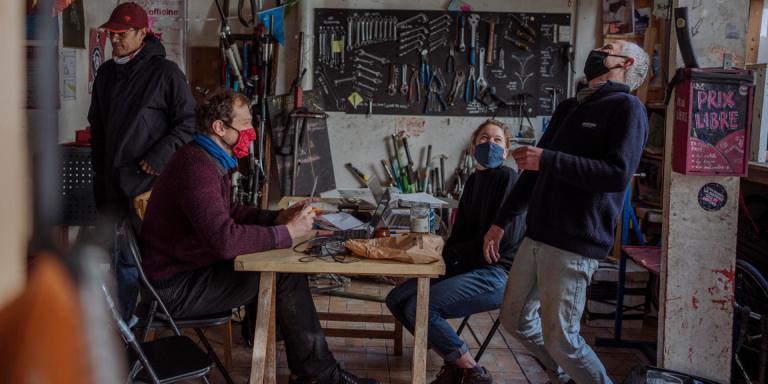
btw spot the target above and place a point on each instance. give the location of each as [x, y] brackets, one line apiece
[553, 90]
[462, 46]
[411, 173]
[357, 59]
[404, 185]
[339, 81]
[414, 82]
[366, 86]
[424, 66]
[417, 44]
[438, 45]
[349, 29]
[420, 16]
[392, 180]
[439, 34]
[419, 36]
[341, 67]
[516, 43]
[473, 20]
[382, 60]
[404, 85]
[436, 182]
[409, 32]
[492, 21]
[370, 108]
[392, 89]
[372, 72]
[425, 183]
[471, 84]
[360, 90]
[523, 25]
[414, 48]
[481, 83]
[501, 58]
[438, 19]
[436, 37]
[372, 80]
[394, 173]
[394, 28]
[442, 176]
[357, 172]
[450, 64]
[524, 36]
[458, 80]
[325, 82]
[440, 25]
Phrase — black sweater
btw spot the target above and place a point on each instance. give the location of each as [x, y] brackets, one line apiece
[483, 195]
[591, 151]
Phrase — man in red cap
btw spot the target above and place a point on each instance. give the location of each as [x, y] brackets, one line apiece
[142, 110]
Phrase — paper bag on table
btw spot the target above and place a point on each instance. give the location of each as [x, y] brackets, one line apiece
[413, 249]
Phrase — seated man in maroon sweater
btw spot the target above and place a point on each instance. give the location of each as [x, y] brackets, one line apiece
[192, 232]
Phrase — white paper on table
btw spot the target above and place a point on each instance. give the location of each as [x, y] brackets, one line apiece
[342, 220]
[323, 206]
[419, 197]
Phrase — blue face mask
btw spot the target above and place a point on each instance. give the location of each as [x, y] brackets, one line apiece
[489, 155]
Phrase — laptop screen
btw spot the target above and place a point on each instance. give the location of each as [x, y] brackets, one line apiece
[375, 186]
[383, 204]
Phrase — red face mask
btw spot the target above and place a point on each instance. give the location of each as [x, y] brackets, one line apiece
[244, 140]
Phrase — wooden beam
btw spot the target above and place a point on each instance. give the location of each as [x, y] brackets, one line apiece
[648, 42]
[354, 317]
[753, 29]
[359, 333]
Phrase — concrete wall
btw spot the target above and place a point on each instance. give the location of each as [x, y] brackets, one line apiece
[353, 138]
[15, 209]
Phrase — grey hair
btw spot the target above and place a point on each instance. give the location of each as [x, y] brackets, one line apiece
[636, 72]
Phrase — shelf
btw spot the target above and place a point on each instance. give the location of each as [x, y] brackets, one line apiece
[655, 157]
[758, 172]
[655, 104]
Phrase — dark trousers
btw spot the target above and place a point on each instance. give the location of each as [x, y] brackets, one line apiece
[219, 288]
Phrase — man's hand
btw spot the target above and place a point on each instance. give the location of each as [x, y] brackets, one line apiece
[285, 216]
[527, 157]
[145, 166]
[491, 244]
[301, 223]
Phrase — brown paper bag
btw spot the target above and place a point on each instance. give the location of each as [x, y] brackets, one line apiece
[413, 249]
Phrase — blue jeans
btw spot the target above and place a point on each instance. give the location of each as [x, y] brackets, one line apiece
[450, 297]
[542, 307]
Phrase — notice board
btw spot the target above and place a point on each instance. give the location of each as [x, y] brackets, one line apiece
[315, 152]
[513, 71]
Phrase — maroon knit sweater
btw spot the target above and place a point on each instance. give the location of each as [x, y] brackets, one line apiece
[191, 223]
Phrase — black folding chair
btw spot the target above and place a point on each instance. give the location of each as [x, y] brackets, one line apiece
[166, 360]
[149, 318]
[484, 344]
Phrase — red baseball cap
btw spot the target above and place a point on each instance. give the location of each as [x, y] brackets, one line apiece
[125, 17]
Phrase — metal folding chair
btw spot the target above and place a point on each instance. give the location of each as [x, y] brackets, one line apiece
[484, 344]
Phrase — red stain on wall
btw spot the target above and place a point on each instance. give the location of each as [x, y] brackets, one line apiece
[694, 302]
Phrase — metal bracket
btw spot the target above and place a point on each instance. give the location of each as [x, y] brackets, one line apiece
[727, 61]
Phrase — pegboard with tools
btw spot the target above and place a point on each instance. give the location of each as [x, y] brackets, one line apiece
[398, 62]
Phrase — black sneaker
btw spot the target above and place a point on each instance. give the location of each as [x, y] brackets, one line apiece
[449, 374]
[472, 377]
[339, 376]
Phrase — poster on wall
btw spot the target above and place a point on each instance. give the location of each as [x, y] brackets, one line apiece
[73, 25]
[68, 74]
[618, 15]
[96, 53]
[166, 21]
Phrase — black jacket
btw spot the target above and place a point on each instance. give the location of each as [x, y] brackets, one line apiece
[141, 110]
[483, 195]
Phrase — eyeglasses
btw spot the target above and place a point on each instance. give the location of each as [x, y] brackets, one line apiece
[119, 35]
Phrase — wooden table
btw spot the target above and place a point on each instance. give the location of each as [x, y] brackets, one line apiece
[269, 263]
[286, 200]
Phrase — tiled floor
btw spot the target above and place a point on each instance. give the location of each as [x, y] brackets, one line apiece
[506, 358]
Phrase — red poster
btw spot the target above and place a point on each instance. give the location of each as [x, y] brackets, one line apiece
[95, 55]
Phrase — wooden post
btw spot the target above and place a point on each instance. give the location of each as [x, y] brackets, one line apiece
[420, 337]
[264, 334]
[697, 266]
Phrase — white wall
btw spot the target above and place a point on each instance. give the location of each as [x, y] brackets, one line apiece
[364, 142]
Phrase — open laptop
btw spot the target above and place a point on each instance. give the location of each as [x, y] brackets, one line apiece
[393, 218]
[367, 233]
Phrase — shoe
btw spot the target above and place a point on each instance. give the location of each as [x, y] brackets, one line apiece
[471, 377]
[339, 376]
[449, 374]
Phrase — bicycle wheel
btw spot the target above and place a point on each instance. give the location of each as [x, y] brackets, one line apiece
[752, 292]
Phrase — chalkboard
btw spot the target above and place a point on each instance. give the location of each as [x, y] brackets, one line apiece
[515, 72]
[314, 155]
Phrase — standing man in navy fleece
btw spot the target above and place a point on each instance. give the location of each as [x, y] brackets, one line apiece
[573, 189]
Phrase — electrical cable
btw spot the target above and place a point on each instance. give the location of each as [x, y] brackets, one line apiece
[334, 247]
